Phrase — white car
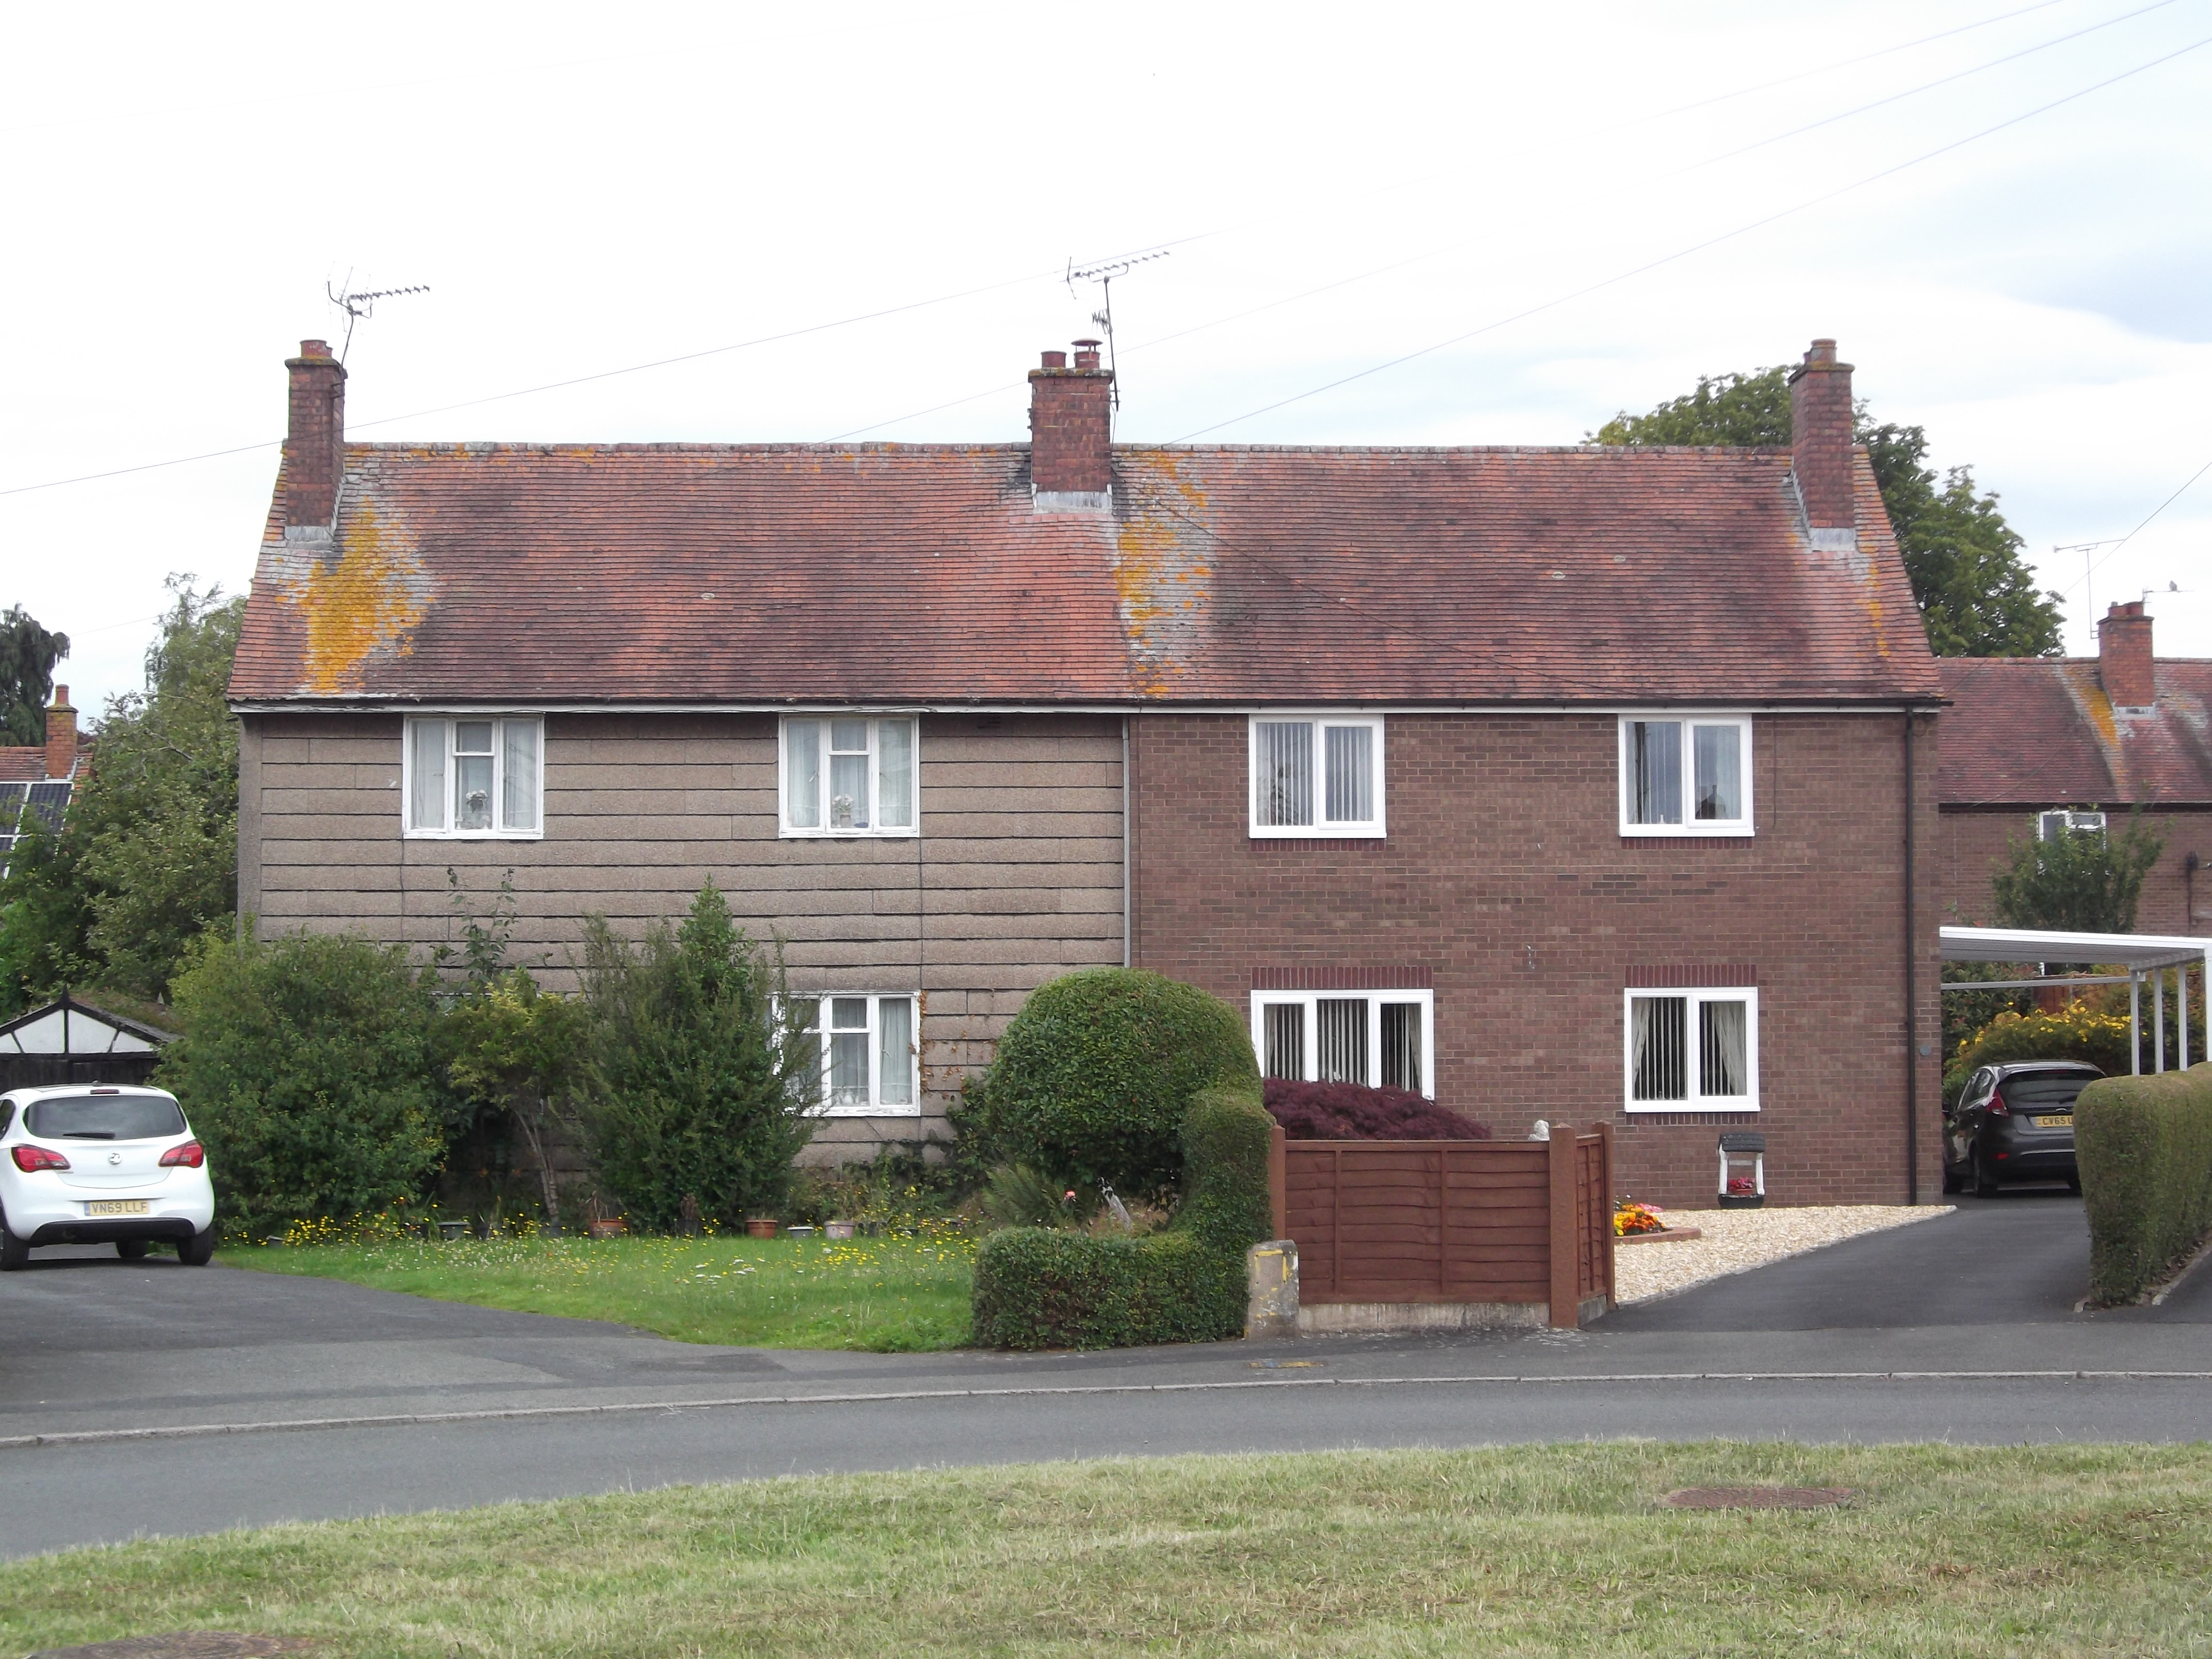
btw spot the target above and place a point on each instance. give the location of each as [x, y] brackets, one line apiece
[81, 1164]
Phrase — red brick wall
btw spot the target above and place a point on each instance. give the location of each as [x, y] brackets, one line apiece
[1975, 841]
[1071, 420]
[1505, 849]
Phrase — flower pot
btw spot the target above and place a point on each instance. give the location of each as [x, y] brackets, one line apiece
[1743, 1201]
[761, 1227]
[614, 1228]
[800, 1231]
[837, 1230]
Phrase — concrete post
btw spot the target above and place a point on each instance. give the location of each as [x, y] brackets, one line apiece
[1271, 1289]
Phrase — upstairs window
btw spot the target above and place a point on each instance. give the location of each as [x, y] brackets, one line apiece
[1384, 1039]
[2049, 826]
[467, 778]
[864, 1054]
[1693, 1051]
[1685, 774]
[849, 775]
[1316, 774]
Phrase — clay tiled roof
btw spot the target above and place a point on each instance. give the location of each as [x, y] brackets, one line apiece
[2039, 732]
[23, 764]
[924, 573]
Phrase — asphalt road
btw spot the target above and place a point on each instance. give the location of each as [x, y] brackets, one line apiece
[1874, 1339]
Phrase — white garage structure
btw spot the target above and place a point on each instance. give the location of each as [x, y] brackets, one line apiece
[2146, 957]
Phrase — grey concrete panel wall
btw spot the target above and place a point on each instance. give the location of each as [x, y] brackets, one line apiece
[1016, 878]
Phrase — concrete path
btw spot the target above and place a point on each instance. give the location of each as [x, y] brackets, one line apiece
[1808, 1349]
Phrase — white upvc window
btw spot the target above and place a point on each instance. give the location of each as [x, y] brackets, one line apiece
[849, 774]
[1686, 773]
[866, 1052]
[2059, 821]
[1316, 774]
[1385, 1039]
[1690, 1051]
[469, 777]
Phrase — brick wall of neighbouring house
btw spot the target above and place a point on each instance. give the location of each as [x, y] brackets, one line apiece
[1976, 840]
[1017, 877]
[1505, 836]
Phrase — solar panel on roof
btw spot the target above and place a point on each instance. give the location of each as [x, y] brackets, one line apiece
[49, 801]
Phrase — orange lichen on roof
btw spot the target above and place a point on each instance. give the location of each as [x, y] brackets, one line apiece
[362, 603]
[1163, 575]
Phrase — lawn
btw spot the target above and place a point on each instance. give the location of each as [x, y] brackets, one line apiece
[1520, 1550]
[892, 1295]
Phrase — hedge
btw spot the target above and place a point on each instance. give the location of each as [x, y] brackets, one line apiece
[1037, 1287]
[2144, 1146]
[1093, 1077]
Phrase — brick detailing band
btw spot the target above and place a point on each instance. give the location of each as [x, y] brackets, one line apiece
[1338, 978]
[1692, 976]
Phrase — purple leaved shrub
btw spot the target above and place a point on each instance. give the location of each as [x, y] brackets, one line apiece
[1352, 1111]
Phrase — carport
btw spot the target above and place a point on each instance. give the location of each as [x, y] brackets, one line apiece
[2146, 957]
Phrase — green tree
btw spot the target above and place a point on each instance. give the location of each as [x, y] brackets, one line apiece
[153, 832]
[42, 921]
[28, 655]
[306, 1063]
[1976, 597]
[517, 1049]
[2078, 881]
[700, 1083]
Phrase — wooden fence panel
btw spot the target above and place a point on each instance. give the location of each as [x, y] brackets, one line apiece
[1525, 1222]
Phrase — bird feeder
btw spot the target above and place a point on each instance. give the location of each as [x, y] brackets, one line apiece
[1743, 1171]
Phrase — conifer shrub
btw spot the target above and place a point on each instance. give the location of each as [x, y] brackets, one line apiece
[1352, 1111]
[1040, 1287]
[1094, 1076]
[2144, 1147]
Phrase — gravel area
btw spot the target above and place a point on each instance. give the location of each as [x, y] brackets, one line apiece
[1736, 1241]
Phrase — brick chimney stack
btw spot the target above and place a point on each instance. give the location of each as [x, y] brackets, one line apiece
[1820, 442]
[61, 735]
[314, 442]
[2124, 665]
[1072, 430]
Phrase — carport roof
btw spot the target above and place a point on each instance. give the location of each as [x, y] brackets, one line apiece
[2136, 951]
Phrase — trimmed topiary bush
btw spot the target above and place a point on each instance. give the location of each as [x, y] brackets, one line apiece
[2144, 1146]
[1095, 1074]
[1352, 1111]
[1040, 1288]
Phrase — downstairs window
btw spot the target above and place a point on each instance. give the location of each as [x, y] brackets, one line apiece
[1384, 1039]
[1693, 1051]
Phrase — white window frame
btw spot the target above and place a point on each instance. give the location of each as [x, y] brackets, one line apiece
[822, 1031]
[1691, 824]
[2078, 823]
[1310, 1062]
[824, 831]
[497, 831]
[1695, 1100]
[1321, 828]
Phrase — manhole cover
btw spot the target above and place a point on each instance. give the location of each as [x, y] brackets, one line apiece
[1756, 1498]
[183, 1644]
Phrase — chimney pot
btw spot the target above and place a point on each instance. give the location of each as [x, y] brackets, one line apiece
[1072, 425]
[314, 439]
[2125, 667]
[61, 736]
[1821, 449]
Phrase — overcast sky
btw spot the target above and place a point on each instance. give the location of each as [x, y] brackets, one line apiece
[1567, 210]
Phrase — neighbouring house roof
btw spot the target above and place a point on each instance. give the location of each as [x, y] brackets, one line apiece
[2040, 731]
[924, 573]
[23, 763]
[45, 799]
[67, 1026]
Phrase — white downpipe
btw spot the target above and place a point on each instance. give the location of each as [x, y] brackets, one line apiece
[2158, 1022]
[2135, 1023]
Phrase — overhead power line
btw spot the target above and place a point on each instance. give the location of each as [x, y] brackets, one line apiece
[1695, 248]
[2112, 548]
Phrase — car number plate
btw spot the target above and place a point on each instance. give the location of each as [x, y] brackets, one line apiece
[2055, 1120]
[117, 1206]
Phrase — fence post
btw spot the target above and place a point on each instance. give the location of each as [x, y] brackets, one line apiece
[1606, 1202]
[1566, 1304]
[1279, 1178]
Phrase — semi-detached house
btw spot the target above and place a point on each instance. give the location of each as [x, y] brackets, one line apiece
[1564, 783]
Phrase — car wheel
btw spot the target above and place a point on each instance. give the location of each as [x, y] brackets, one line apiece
[131, 1249]
[197, 1250]
[1953, 1181]
[1985, 1183]
[13, 1253]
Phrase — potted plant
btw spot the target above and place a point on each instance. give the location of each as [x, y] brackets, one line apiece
[761, 1227]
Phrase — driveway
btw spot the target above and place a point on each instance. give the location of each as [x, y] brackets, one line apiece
[1960, 1328]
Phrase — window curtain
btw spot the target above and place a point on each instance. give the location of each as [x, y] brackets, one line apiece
[1286, 780]
[1401, 1046]
[1719, 771]
[849, 1051]
[1340, 1039]
[895, 773]
[849, 774]
[1657, 764]
[1350, 789]
[1724, 1054]
[518, 789]
[427, 794]
[1656, 1040]
[1283, 1026]
[802, 768]
[895, 1052]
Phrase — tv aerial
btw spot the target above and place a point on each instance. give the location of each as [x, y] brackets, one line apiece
[358, 306]
[1103, 275]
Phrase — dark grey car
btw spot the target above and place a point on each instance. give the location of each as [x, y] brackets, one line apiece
[2014, 1123]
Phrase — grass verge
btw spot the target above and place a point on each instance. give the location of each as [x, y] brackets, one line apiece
[1526, 1550]
[882, 1294]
